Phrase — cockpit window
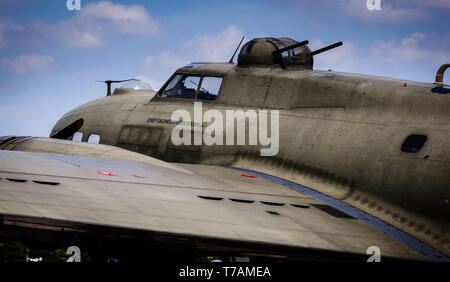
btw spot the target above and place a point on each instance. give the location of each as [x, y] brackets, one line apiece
[77, 136]
[174, 82]
[136, 84]
[210, 88]
[190, 87]
[182, 86]
[94, 139]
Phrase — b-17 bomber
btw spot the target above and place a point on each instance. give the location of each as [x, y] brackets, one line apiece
[265, 159]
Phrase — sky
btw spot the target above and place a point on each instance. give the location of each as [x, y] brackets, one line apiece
[51, 57]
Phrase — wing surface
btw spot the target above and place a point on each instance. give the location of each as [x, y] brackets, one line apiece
[196, 201]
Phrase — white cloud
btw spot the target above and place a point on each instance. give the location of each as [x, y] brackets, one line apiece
[131, 19]
[410, 49]
[28, 63]
[417, 55]
[390, 11]
[89, 28]
[217, 47]
[6, 25]
[72, 35]
[157, 68]
[165, 59]
[213, 47]
[341, 58]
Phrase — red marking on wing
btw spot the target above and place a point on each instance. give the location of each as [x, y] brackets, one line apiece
[106, 173]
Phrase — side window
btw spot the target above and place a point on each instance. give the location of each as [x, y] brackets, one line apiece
[413, 143]
[94, 138]
[182, 86]
[77, 136]
[210, 88]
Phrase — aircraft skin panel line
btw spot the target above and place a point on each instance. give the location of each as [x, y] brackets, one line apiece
[161, 199]
[332, 161]
[419, 246]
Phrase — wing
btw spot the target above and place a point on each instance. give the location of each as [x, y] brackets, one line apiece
[206, 210]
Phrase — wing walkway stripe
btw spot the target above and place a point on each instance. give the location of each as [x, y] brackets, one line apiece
[403, 237]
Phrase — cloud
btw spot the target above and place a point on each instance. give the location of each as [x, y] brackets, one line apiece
[28, 63]
[91, 27]
[412, 48]
[96, 22]
[341, 58]
[132, 19]
[417, 55]
[392, 11]
[212, 47]
[7, 26]
[395, 11]
[72, 34]
[217, 47]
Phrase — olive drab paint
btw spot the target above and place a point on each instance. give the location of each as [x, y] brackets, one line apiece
[340, 134]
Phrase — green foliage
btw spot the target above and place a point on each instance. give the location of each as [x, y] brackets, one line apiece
[18, 252]
[13, 252]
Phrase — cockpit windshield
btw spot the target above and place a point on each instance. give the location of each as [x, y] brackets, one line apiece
[136, 84]
[182, 86]
[192, 86]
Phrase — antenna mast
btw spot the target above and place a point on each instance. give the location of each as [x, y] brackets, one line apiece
[231, 60]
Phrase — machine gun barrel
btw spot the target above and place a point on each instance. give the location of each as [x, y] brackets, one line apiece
[326, 48]
[293, 46]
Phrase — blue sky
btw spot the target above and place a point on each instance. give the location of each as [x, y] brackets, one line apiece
[50, 57]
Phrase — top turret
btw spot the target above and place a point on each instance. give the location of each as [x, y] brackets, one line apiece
[275, 51]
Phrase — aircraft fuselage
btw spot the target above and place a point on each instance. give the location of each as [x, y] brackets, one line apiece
[344, 135]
